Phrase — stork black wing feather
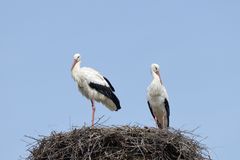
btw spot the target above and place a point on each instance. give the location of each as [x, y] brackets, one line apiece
[106, 91]
[109, 84]
[150, 108]
[167, 109]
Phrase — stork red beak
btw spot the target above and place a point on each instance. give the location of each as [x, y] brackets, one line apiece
[74, 62]
[157, 72]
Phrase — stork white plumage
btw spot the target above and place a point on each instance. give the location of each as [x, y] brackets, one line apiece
[94, 86]
[157, 98]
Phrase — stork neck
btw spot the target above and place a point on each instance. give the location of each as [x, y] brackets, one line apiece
[156, 77]
[77, 66]
[75, 70]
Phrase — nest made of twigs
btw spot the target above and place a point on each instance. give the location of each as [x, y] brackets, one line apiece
[125, 142]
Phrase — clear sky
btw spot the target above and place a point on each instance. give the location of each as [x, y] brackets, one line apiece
[196, 44]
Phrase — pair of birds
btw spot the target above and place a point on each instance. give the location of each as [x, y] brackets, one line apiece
[98, 88]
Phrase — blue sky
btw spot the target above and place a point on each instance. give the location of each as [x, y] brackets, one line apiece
[196, 44]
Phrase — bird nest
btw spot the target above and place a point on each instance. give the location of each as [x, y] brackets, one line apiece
[125, 142]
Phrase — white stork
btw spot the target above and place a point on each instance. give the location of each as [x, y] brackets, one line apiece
[94, 86]
[157, 99]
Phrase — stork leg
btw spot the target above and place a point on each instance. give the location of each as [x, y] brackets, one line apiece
[156, 120]
[165, 122]
[93, 111]
[159, 125]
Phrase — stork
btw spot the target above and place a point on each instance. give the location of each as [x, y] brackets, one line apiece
[157, 99]
[94, 86]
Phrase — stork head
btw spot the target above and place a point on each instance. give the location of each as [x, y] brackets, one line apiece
[156, 71]
[76, 58]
